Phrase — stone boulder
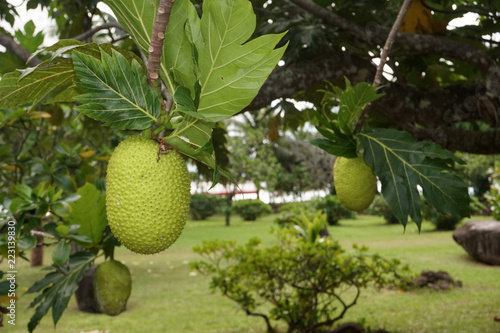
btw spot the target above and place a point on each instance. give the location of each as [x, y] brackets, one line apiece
[481, 239]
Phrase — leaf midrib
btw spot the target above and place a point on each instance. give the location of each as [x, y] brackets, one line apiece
[386, 148]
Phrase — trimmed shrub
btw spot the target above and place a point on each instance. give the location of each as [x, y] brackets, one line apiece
[203, 206]
[251, 209]
[440, 220]
[380, 207]
[334, 210]
[301, 282]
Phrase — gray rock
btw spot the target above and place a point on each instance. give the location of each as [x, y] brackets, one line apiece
[481, 239]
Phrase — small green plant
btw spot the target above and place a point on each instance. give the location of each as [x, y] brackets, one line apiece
[302, 283]
[203, 206]
[291, 211]
[251, 209]
[380, 207]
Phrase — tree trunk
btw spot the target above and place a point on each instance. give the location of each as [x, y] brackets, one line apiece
[229, 203]
[85, 293]
[37, 252]
[324, 232]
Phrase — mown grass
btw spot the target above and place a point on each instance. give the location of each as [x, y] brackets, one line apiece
[167, 297]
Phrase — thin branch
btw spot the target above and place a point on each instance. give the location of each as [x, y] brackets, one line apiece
[157, 39]
[18, 50]
[94, 30]
[390, 41]
[383, 59]
[41, 233]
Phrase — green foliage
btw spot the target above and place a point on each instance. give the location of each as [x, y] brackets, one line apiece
[291, 211]
[329, 204]
[54, 79]
[440, 220]
[493, 196]
[223, 62]
[89, 213]
[301, 283]
[251, 209]
[203, 205]
[477, 171]
[57, 287]
[400, 164]
[310, 229]
[380, 207]
[335, 211]
[296, 207]
[112, 84]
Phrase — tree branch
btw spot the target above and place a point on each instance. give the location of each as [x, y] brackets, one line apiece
[157, 38]
[94, 30]
[383, 59]
[18, 50]
[475, 142]
[390, 40]
[375, 35]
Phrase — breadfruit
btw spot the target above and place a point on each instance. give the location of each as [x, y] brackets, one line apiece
[147, 200]
[112, 285]
[355, 183]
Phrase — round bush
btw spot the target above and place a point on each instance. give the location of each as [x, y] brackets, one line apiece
[251, 209]
[380, 207]
[334, 209]
[203, 206]
[440, 220]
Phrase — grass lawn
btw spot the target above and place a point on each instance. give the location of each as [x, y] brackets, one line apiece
[167, 297]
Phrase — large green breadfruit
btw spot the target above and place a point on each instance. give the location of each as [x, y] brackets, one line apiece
[355, 183]
[147, 201]
[112, 285]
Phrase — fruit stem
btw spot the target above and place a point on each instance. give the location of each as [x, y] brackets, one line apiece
[159, 130]
[148, 133]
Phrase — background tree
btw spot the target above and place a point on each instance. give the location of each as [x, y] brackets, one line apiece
[326, 32]
[445, 82]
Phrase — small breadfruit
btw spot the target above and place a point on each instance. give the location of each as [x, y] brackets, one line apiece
[147, 200]
[355, 183]
[112, 285]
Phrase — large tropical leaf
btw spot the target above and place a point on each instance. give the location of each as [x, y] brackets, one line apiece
[43, 85]
[137, 17]
[352, 104]
[89, 212]
[193, 136]
[52, 80]
[116, 91]
[57, 288]
[214, 51]
[232, 69]
[403, 166]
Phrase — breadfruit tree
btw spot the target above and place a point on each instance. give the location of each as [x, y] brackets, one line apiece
[173, 71]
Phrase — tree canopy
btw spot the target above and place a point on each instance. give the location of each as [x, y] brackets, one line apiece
[445, 82]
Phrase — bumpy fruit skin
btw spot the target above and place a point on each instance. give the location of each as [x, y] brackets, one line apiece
[112, 285]
[355, 183]
[147, 201]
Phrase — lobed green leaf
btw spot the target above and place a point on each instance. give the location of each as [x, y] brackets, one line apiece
[58, 288]
[116, 91]
[89, 212]
[403, 166]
